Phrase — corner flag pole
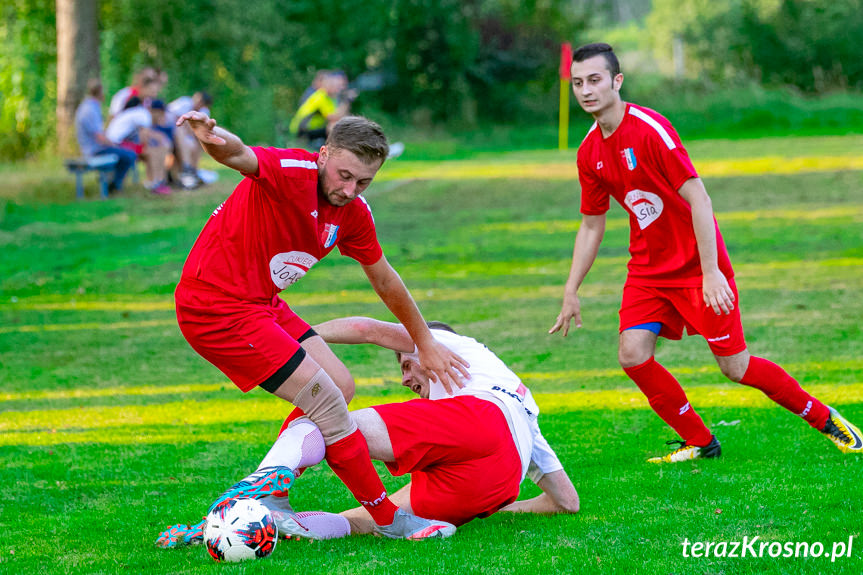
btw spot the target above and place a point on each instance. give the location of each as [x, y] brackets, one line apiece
[563, 125]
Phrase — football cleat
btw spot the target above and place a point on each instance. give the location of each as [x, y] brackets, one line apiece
[687, 452]
[291, 527]
[270, 481]
[408, 526]
[181, 534]
[843, 433]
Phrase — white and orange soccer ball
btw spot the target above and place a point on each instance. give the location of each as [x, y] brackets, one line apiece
[240, 529]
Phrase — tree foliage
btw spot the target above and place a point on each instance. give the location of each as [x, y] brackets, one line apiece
[459, 61]
[811, 45]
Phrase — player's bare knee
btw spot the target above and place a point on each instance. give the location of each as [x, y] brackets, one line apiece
[631, 356]
[635, 347]
[374, 429]
[734, 366]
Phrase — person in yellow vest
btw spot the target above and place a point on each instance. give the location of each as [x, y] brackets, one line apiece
[326, 106]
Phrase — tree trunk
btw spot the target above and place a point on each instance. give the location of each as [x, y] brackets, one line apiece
[77, 62]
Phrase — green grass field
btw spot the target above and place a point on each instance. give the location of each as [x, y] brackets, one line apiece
[111, 427]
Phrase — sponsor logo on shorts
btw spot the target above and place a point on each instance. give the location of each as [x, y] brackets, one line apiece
[288, 267]
[720, 338]
[645, 206]
[518, 396]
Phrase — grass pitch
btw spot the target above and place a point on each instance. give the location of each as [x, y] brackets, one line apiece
[111, 427]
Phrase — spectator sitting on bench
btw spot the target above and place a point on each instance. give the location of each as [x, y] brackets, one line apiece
[133, 129]
[186, 147]
[91, 137]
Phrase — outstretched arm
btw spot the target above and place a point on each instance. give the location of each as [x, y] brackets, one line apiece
[225, 147]
[386, 334]
[447, 366]
[717, 292]
[584, 252]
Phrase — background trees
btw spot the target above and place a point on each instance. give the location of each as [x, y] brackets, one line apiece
[458, 63]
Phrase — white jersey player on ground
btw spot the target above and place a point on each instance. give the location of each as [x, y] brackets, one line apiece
[467, 453]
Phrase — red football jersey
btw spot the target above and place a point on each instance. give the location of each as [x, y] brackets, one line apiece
[274, 227]
[642, 165]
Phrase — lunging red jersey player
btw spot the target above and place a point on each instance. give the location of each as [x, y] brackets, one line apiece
[679, 272]
[291, 209]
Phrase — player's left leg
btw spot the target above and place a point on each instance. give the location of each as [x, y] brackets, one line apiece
[783, 389]
[724, 334]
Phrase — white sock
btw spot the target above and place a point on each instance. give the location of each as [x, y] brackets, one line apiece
[322, 525]
[300, 445]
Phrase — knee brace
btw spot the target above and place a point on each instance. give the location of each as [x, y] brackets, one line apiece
[325, 405]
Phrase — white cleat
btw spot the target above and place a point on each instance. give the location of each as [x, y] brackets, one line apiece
[408, 526]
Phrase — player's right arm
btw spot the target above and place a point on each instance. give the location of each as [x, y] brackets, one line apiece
[587, 242]
[352, 330]
[224, 147]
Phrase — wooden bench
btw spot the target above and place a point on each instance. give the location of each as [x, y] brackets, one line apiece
[105, 164]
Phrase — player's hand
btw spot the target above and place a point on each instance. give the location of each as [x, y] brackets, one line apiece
[717, 292]
[202, 126]
[570, 310]
[447, 367]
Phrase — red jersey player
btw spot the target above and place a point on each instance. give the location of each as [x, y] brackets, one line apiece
[291, 209]
[679, 272]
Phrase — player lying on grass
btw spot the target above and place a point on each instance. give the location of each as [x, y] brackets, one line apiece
[680, 274]
[467, 453]
[290, 210]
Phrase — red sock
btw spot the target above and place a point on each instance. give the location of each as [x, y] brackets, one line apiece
[776, 384]
[295, 414]
[668, 400]
[349, 458]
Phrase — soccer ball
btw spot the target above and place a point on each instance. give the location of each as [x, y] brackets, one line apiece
[240, 529]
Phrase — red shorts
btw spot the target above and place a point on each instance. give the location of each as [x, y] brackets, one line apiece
[248, 341]
[677, 308]
[460, 454]
[137, 148]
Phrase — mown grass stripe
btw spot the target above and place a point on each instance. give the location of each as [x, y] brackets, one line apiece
[467, 169]
[121, 424]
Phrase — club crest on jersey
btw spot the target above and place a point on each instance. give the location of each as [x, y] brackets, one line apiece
[645, 206]
[629, 156]
[328, 236]
[286, 268]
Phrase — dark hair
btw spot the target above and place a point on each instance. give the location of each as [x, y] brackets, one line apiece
[206, 98]
[441, 326]
[360, 136]
[598, 49]
[94, 87]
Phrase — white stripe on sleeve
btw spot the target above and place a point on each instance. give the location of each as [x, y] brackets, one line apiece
[655, 125]
[291, 163]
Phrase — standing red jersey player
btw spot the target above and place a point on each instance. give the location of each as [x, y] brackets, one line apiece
[291, 209]
[679, 273]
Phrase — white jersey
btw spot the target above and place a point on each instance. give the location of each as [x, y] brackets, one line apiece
[180, 106]
[492, 380]
[118, 102]
[125, 124]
